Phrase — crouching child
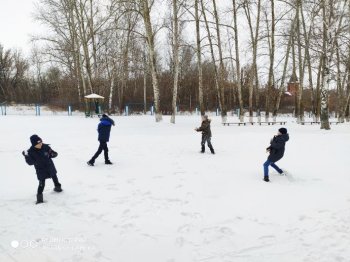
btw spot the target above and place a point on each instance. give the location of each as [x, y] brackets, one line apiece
[40, 155]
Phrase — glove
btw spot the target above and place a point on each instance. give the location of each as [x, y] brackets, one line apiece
[25, 153]
[52, 154]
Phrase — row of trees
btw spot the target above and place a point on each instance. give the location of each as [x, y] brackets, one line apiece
[206, 53]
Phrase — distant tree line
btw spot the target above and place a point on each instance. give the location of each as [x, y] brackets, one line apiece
[241, 54]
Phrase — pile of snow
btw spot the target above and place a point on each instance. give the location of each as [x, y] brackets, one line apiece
[163, 201]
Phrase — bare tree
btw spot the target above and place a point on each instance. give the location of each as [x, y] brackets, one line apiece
[282, 84]
[176, 44]
[238, 65]
[145, 12]
[271, 42]
[218, 73]
[222, 69]
[299, 109]
[199, 59]
[325, 68]
[254, 38]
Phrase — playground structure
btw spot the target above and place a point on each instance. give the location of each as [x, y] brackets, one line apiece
[93, 104]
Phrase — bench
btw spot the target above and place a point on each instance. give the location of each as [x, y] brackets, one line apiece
[310, 122]
[318, 122]
[236, 123]
[252, 123]
[273, 123]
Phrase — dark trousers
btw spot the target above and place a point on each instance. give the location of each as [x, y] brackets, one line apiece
[206, 139]
[266, 167]
[42, 184]
[103, 146]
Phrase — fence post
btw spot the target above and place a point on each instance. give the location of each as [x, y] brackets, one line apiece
[69, 110]
[37, 109]
[152, 110]
[3, 108]
[217, 111]
[126, 110]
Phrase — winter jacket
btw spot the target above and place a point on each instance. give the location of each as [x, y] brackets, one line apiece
[277, 147]
[41, 159]
[205, 128]
[104, 128]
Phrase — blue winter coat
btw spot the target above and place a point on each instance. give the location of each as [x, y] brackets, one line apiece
[104, 129]
[41, 159]
[277, 147]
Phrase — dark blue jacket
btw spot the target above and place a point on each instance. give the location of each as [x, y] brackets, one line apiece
[104, 129]
[277, 147]
[41, 159]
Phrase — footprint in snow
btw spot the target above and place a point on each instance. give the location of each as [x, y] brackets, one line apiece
[192, 215]
[185, 228]
[226, 231]
[180, 241]
[302, 218]
[94, 200]
[267, 237]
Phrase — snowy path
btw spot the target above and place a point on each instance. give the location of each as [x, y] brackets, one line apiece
[162, 201]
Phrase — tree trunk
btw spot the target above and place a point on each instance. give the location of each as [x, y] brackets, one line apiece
[238, 66]
[152, 58]
[272, 58]
[221, 66]
[144, 83]
[282, 88]
[318, 90]
[325, 70]
[84, 41]
[254, 37]
[217, 78]
[175, 58]
[199, 61]
[307, 56]
[299, 109]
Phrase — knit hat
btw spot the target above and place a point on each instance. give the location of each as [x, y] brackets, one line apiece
[35, 139]
[282, 130]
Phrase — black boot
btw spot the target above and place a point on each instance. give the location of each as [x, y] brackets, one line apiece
[90, 163]
[39, 199]
[212, 150]
[203, 149]
[108, 162]
[266, 179]
[58, 188]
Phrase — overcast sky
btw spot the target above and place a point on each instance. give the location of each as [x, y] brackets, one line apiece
[16, 24]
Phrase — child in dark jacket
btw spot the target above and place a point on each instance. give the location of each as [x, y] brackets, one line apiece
[104, 130]
[40, 155]
[276, 150]
[206, 134]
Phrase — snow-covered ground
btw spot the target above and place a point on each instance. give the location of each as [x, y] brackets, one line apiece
[163, 201]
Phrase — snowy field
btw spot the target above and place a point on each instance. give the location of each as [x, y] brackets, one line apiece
[163, 201]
